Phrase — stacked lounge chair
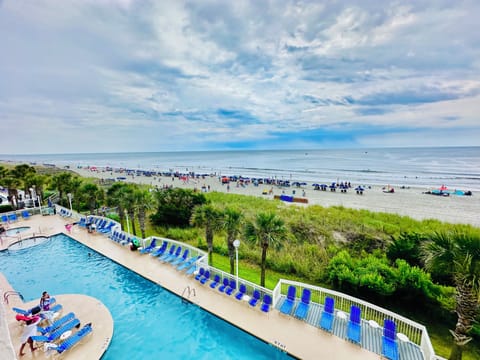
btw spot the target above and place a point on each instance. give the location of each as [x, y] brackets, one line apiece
[71, 341]
[55, 335]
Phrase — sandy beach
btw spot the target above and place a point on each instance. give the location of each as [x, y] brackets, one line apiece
[410, 202]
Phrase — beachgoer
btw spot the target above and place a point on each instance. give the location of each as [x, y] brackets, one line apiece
[69, 228]
[29, 331]
[45, 312]
[45, 301]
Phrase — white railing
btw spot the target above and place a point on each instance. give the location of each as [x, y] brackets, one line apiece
[417, 333]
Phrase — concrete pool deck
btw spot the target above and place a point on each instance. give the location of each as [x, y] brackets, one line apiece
[287, 333]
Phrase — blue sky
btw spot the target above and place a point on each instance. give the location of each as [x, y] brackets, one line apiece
[125, 75]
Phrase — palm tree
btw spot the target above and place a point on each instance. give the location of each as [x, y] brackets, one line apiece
[268, 229]
[61, 182]
[457, 254]
[92, 195]
[209, 217]
[115, 199]
[231, 222]
[12, 184]
[129, 202]
[145, 202]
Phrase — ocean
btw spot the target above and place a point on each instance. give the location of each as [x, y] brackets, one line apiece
[455, 167]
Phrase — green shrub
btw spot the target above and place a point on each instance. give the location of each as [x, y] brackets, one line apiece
[6, 208]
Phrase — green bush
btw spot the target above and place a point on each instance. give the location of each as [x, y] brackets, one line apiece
[6, 208]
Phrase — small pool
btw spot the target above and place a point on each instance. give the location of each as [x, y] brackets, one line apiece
[149, 321]
[28, 243]
[15, 231]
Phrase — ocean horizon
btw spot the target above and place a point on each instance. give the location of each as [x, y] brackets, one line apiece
[455, 167]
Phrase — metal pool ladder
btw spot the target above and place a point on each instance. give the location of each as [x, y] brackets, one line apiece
[188, 291]
[6, 294]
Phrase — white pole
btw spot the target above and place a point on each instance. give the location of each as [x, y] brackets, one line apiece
[128, 223]
[236, 259]
[236, 244]
[69, 195]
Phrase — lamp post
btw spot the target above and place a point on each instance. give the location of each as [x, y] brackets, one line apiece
[128, 224]
[236, 244]
[69, 195]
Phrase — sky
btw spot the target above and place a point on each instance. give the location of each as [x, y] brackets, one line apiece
[82, 76]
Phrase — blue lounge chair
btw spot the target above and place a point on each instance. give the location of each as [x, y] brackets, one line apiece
[354, 326]
[57, 333]
[161, 250]
[107, 228]
[255, 298]
[266, 304]
[169, 253]
[191, 269]
[150, 247]
[241, 291]
[180, 259]
[215, 282]
[326, 320]
[200, 274]
[82, 222]
[74, 339]
[231, 287]
[25, 214]
[205, 277]
[60, 322]
[187, 263]
[55, 308]
[174, 256]
[101, 224]
[224, 285]
[4, 218]
[287, 305]
[389, 340]
[302, 308]
[12, 217]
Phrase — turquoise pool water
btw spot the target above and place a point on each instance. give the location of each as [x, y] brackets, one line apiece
[15, 231]
[149, 321]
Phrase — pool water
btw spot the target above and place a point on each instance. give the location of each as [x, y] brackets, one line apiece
[27, 243]
[149, 321]
[15, 231]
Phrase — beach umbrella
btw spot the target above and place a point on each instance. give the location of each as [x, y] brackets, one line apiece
[359, 188]
[316, 185]
[303, 183]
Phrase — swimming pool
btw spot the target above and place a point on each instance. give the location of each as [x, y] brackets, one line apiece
[27, 243]
[15, 231]
[149, 321]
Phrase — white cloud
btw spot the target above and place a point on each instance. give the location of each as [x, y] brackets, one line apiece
[162, 71]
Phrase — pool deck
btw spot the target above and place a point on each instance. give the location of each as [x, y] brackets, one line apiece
[287, 333]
